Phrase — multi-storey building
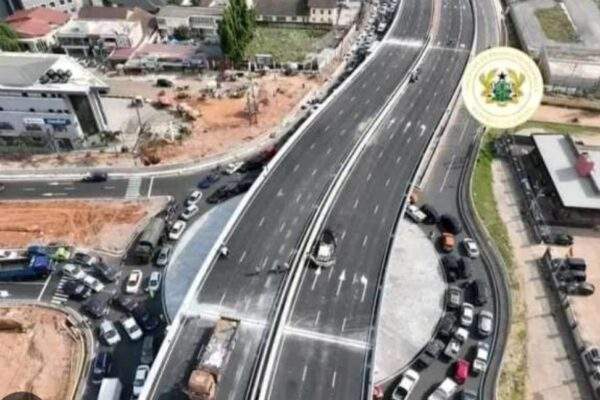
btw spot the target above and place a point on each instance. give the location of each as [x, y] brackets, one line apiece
[48, 102]
[202, 22]
[68, 6]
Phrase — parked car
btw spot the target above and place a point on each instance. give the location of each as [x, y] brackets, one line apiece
[189, 212]
[433, 217]
[95, 177]
[560, 239]
[447, 242]
[76, 290]
[74, 271]
[84, 259]
[134, 281]
[141, 374]
[193, 198]
[464, 268]
[446, 325]
[445, 391]
[208, 181]
[453, 297]
[93, 283]
[482, 353]
[450, 224]
[146, 320]
[233, 167]
[461, 334]
[415, 213]
[481, 292]
[485, 323]
[467, 314]
[461, 371]
[101, 367]
[109, 333]
[471, 248]
[578, 288]
[452, 349]
[177, 230]
[153, 282]
[164, 83]
[7, 255]
[107, 272]
[164, 255]
[132, 328]
[147, 350]
[451, 267]
[468, 395]
[406, 385]
[222, 193]
[126, 303]
[96, 306]
[434, 348]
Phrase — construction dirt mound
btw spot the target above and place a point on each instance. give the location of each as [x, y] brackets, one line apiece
[40, 358]
[99, 224]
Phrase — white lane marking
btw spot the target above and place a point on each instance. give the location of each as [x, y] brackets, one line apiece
[343, 324]
[317, 317]
[282, 227]
[398, 159]
[408, 124]
[339, 340]
[333, 379]
[369, 177]
[44, 288]
[298, 197]
[304, 373]
[341, 280]
[447, 172]
[133, 188]
[222, 298]
[355, 203]
[387, 182]
[58, 194]
[29, 189]
[242, 257]
[109, 187]
[260, 223]
[280, 193]
[296, 167]
[423, 126]
[314, 172]
[364, 243]
[376, 209]
[317, 273]
[150, 186]
[363, 281]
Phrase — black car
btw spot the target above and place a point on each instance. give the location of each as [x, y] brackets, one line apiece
[95, 176]
[481, 292]
[465, 268]
[146, 320]
[434, 348]
[107, 272]
[96, 306]
[208, 181]
[446, 325]
[433, 217]
[84, 259]
[126, 303]
[578, 288]
[450, 224]
[254, 164]
[561, 239]
[147, 350]
[164, 83]
[76, 290]
[101, 367]
[468, 395]
[451, 266]
[222, 193]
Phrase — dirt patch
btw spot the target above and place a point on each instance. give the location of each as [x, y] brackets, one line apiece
[98, 224]
[42, 358]
[563, 115]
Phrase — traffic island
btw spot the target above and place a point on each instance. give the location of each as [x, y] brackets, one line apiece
[412, 303]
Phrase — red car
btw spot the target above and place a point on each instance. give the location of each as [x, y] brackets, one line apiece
[461, 371]
[377, 393]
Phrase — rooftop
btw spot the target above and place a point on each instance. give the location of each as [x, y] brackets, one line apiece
[36, 22]
[322, 3]
[560, 155]
[212, 8]
[23, 70]
[281, 7]
[91, 12]
[105, 27]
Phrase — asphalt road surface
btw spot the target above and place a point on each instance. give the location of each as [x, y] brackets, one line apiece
[269, 231]
[334, 309]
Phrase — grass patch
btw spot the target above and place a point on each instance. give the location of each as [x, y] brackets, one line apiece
[513, 374]
[556, 24]
[559, 128]
[285, 44]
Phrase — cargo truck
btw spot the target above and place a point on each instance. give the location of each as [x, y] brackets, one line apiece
[212, 360]
[150, 239]
[39, 266]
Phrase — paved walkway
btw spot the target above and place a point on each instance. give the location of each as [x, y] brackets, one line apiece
[190, 252]
[412, 300]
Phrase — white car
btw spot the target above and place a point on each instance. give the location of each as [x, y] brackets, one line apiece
[134, 281]
[467, 314]
[233, 167]
[74, 271]
[109, 333]
[446, 390]
[153, 282]
[452, 349]
[92, 283]
[177, 230]
[415, 213]
[485, 323]
[406, 385]
[7, 255]
[141, 374]
[461, 334]
[189, 212]
[4, 294]
[193, 198]
[471, 247]
[481, 357]
[132, 328]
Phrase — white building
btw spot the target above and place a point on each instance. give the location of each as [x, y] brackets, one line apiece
[48, 102]
[571, 70]
[202, 22]
[79, 36]
[68, 6]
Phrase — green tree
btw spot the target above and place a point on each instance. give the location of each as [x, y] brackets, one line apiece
[9, 41]
[181, 33]
[236, 29]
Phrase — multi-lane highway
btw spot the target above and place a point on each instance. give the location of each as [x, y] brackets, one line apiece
[268, 232]
[331, 324]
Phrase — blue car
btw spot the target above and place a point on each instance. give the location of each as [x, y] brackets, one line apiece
[101, 367]
[208, 181]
